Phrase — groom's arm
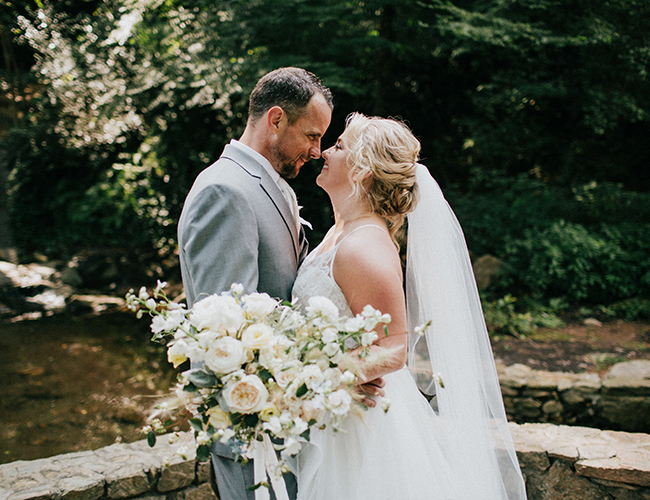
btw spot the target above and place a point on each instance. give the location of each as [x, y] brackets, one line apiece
[221, 241]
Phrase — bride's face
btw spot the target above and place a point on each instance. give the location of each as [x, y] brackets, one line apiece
[335, 173]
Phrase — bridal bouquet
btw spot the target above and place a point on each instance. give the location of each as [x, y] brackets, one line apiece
[266, 370]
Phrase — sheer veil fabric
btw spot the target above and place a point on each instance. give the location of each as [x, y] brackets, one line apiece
[454, 358]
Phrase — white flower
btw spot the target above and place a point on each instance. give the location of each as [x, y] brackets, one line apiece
[256, 336]
[274, 426]
[299, 426]
[236, 289]
[168, 322]
[151, 304]
[339, 402]
[143, 295]
[312, 376]
[330, 335]
[275, 352]
[219, 313]
[286, 373]
[202, 438]
[353, 324]
[160, 285]
[384, 403]
[225, 355]
[247, 395]
[226, 434]
[368, 338]
[324, 307]
[348, 377]
[259, 304]
[314, 408]
[291, 447]
[331, 350]
[177, 353]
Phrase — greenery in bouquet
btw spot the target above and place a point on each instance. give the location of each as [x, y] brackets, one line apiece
[260, 367]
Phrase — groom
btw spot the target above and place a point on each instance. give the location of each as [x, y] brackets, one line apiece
[240, 221]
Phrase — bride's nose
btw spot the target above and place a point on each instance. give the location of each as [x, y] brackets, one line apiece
[327, 152]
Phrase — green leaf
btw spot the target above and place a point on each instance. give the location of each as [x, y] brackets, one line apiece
[305, 435]
[251, 419]
[302, 390]
[201, 378]
[265, 374]
[203, 453]
[151, 438]
[196, 424]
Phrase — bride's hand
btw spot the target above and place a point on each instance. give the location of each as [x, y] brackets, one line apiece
[372, 389]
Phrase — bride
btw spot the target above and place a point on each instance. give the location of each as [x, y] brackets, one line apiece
[462, 449]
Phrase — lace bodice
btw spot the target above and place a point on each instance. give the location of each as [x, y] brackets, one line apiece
[315, 276]
[315, 279]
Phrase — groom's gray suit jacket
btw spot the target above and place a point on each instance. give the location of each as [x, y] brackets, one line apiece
[237, 227]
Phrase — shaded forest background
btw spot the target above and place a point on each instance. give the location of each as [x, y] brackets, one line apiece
[534, 116]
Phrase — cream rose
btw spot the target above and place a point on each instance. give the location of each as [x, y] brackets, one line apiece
[225, 355]
[323, 306]
[256, 336]
[218, 418]
[246, 395]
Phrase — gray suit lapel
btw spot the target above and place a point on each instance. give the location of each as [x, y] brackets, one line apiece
[270, 188]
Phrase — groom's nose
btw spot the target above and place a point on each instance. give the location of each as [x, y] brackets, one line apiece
[314, 151]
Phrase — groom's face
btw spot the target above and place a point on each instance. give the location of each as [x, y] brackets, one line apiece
[299, 142]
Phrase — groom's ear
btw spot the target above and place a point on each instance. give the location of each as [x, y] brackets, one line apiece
[274, 118]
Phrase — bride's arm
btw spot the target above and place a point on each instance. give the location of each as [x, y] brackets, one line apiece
[368, 271]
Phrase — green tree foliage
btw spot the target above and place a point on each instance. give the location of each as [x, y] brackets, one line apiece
[529, 112]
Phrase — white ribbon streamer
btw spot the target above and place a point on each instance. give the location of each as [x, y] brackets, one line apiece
[265, 464]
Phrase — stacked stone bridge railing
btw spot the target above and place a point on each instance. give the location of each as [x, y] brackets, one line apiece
[559, 462]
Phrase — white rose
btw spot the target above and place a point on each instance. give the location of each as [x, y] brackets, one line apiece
[323, 306]
[256, 336]
[259, 304]
[219, 313]
[247, 395]
[286, 373]
[225, 355]
[311, 376]
[275, 352]
[339, 402]
[348, 377]
[330, 335]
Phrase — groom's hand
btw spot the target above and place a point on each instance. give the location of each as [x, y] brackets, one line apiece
[371, 389]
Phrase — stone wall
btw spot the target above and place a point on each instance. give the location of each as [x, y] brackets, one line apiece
[620, 400]
[558, 463]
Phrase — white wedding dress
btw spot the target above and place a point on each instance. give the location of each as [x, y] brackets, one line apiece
[384, 456]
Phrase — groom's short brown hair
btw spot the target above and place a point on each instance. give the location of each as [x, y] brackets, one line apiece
[289, 88]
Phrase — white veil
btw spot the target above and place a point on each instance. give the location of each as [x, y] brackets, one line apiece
[441, 288]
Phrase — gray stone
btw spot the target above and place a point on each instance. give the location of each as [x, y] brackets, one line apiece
[552, 407]
[630, 413]
[126, 482]
[178, 474]
[638, 368]
[560, 483]
[486, 269]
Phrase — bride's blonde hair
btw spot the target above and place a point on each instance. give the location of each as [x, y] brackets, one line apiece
[388, 150]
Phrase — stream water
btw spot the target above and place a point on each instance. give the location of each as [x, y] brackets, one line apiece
[76, 383]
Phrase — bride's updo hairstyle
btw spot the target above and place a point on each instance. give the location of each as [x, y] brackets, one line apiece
[387, 150]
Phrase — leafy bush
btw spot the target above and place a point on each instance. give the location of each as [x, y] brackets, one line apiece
[501, 316]
[570, 261]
